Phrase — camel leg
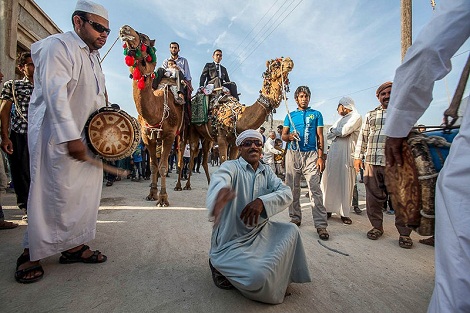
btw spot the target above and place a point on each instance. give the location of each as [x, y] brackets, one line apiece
[179, 164]
[162, 170]
[206, 146]
[152, 148]
[233, 154]
[223, 147]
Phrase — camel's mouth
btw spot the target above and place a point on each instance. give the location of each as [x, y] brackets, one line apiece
[125, 33]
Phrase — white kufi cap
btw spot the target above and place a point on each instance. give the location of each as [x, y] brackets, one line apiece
[249, 133]
[92, 7]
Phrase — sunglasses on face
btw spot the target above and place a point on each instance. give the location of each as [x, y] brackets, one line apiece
[96, 26]
[249, 143]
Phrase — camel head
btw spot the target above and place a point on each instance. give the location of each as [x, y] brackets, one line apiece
[140, 54]
[276, 80]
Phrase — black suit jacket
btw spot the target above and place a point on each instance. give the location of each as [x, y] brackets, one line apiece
[210, 72]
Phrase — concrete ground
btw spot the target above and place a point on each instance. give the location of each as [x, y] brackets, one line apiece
[157, 262]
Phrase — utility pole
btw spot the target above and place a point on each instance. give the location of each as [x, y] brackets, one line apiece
[406, 22]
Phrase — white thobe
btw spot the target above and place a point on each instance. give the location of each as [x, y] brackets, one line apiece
[65, 193]
[259, 261]
[426, 61]
[268, 153]
[339, 177]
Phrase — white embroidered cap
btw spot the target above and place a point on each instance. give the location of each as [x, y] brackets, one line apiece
[92, 7]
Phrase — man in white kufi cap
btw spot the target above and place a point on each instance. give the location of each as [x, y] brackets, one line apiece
[65, 189]
[248, 251]
[339, 177]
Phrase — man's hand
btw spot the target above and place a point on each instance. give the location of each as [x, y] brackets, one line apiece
[321, 164]
[7, 145]
[358, 165]
[393, 151]
[251, 212]
[224, 196]
[77, 149]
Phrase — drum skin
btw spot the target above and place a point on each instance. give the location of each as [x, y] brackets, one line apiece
[112, 133]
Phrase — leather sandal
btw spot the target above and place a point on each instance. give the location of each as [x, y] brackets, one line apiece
[323, 233]
[374, 233]
[405, 242]
[74, 257]
[220, 280]
[21, 274]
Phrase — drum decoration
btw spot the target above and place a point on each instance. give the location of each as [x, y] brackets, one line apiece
[412, 186]
[112, 133]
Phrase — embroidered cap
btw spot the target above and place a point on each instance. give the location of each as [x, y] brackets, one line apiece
[91, 7]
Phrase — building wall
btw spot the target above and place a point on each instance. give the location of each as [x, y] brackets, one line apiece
[22, 22]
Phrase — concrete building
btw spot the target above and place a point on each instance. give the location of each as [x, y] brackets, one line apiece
[22, 22]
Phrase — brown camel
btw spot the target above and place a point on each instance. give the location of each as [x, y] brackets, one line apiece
[229, 118]
[159, 116]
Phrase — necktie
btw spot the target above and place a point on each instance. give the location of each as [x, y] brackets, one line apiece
[217, 67]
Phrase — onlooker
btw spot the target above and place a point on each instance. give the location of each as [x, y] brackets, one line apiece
[429, 60]
[279, 159]
[261, 131]
[3, 224]
[371, 146]
[303, 130]
[257, 256]
[269, 151]
[215, 73]
[15, 98]
[137, 173]
[339, 177]
[65, 189]
[186, 160]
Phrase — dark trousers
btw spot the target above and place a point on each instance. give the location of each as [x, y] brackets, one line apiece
[19, 167]
[376, 195]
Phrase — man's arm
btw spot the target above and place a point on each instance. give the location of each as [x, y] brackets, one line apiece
[5, 115]
[204, 75]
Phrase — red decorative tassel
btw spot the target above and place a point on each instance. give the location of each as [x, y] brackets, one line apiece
[124, 45]
[143, 48]
[136, 74]
[148, 58]
[141, 83]
[129, 60]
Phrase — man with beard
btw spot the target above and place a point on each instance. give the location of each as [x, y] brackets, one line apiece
[65, 189]
[182, 64]
[371, 146]
[248, 251]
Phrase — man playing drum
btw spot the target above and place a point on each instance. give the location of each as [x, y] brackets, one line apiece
[65, 190]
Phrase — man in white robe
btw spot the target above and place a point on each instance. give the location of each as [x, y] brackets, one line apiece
[339, 176]
[65, 189]
[429, 60]
[257, 256]
[269, 151]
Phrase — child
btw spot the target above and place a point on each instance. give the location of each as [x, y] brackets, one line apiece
[173, 71]
[137, 160]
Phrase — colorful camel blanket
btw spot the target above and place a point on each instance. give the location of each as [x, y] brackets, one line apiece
[199, 109]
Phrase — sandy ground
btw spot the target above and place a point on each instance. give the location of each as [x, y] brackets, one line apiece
[157, 262]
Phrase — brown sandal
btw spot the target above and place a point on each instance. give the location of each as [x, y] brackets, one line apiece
[346, 220]
[374, 234]
[323, 233]
[405, 242]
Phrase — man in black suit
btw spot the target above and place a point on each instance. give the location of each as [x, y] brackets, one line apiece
[215, 73]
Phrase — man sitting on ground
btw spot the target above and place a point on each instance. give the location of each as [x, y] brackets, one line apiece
[257, 256]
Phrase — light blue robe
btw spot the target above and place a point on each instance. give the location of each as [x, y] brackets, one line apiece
[259, 261]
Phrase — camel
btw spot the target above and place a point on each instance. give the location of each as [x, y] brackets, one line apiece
[231, 118]
[160, 117]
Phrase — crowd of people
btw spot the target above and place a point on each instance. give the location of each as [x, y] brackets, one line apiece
[59, 187]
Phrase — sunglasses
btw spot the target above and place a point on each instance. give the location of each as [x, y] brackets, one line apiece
[249, 143]
[96, 26]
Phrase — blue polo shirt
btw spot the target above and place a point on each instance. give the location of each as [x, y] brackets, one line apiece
[306, 123]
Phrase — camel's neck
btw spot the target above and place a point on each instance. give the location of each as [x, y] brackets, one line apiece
[147, 104]
[253, 117]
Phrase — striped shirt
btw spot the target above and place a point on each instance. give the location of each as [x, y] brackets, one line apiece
[23, 91]
[371, 142]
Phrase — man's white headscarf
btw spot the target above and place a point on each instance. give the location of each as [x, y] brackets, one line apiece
[92, 7]
[348, 103]
[249, 133]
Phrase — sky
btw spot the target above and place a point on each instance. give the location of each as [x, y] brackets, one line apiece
[339, 48]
